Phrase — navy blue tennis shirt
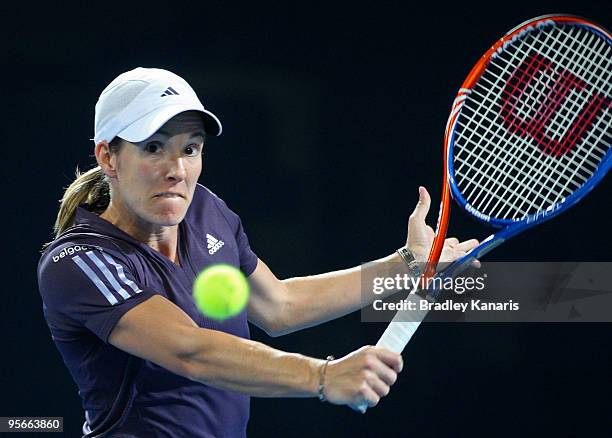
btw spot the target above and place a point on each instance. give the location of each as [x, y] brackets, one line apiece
[93, 274]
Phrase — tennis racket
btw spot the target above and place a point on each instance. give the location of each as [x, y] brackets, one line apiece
[528, 136]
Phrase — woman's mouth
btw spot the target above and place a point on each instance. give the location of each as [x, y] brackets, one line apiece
[169, 195]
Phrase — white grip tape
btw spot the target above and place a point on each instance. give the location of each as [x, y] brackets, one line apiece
[400, 330]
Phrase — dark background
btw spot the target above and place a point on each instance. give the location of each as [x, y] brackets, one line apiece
[333, 114]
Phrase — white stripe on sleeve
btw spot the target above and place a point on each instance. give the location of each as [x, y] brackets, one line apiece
[94, 278]
[121, 274]
[107, 273]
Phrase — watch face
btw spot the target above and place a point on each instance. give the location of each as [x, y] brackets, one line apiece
[413, 265]
[407, 255]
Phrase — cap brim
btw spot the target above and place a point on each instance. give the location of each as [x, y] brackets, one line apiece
[149, 124]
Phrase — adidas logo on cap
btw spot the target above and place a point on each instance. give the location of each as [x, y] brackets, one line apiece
[213, 244]
[170, 92]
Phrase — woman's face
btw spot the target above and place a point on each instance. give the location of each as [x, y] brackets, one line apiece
[155, 179]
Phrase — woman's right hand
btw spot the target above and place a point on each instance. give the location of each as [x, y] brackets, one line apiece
[364, 375]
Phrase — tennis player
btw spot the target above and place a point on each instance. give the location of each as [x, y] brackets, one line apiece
[130, 237]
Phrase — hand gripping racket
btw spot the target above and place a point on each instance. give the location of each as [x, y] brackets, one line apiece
[528, 136]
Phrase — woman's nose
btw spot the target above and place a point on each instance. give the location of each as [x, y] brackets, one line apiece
[176, 169]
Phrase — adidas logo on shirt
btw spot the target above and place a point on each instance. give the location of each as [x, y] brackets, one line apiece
[213, 244]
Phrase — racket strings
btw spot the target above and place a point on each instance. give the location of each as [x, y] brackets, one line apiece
[499, 139]
[576, 169]
[510, 173]
[581, 60]
[502, 154]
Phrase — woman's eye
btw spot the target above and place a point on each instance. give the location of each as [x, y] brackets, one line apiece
[152, 147]
[192, 151]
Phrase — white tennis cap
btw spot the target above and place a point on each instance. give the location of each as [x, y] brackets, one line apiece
[138, 102]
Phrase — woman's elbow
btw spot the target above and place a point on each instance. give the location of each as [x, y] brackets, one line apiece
[183, 357]
[275, 322]
[275, 331]
[272, 325]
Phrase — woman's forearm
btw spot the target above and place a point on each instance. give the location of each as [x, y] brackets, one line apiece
[250, 367]
[319, 298]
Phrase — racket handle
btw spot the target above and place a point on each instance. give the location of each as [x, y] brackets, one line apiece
[406, 322]
[399, 331]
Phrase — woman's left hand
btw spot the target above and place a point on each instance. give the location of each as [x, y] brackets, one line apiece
[421, 236]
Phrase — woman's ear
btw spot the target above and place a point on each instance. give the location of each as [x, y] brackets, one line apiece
[106, 159]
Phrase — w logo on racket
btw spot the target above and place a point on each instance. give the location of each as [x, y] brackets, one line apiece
[541, 85]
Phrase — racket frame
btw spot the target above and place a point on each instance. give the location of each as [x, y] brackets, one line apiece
[510, 227]
[405, 323]
[465, 90]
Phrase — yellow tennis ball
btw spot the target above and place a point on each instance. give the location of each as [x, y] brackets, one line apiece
[221, 291]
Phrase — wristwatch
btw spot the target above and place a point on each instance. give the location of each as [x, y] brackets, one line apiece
[413, 265]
